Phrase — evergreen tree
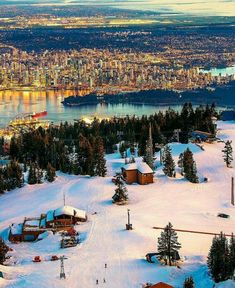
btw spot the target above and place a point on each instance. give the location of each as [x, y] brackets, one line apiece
[189, 167]
[50, 173]
[2, 184]
[168, 162]
[120, 195]
[32, 175]
[35, 174]
[218, 259]
[148, 158]
[232, 256]
[99, 155]
[15, 174]
[168, 244]
[189, 283]
[3, 251]
[228, 153]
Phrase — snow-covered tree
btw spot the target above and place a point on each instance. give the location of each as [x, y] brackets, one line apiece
[168, 245]
[218, 259]
[228, 153]
[120, 195]
[168, 162]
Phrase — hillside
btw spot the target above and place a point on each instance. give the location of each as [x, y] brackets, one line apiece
[104, 238]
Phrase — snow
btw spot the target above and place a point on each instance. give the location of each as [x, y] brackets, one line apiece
[141, 166]
[70, 211]
[32, 223]
[104, 238]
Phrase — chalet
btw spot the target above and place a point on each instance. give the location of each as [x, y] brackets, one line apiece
[63, 218]
[139, 173]
[29, 230]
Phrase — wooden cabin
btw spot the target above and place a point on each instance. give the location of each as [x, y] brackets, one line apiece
[65, 216]
[139, 173]
[29, 230]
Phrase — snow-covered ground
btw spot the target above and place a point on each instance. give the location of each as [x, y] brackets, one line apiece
[105, 240]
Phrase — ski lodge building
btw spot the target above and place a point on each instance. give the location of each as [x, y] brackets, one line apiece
[139, 173]
[61, 219]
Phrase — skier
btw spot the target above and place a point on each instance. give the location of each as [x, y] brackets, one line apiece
[97, 281]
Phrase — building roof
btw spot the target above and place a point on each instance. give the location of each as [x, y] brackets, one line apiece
[70, 211]
[161, 285]
[142, 167]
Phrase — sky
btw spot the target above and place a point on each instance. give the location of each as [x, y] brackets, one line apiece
[200, 7]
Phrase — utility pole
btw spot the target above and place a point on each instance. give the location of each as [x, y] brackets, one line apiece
[62, 273]
[232, 191]
[128, 225]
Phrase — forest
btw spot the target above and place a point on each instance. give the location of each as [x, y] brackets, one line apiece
[79, 148]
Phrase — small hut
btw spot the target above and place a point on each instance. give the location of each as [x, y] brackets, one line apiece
[139, 173]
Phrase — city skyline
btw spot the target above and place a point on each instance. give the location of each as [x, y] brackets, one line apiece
[199, 7]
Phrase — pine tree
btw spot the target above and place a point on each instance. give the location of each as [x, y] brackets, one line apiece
[3, 251]
[120, 195]
[35, 174]
[189, 283]
[2, 184]
[168, 244]
[228, 153]
[189, 167]
[50, 173]
[148, 158]
[218, 259]
[232, 256]
[15, 174]
[168, 162]
[99, 158]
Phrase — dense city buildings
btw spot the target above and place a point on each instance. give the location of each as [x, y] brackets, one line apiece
[102, 71]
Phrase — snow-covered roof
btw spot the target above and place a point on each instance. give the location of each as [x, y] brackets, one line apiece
[130, 166]
[142, 167]
[71, 211]
[32, 223]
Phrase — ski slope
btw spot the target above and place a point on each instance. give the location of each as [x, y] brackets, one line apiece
[104, 238]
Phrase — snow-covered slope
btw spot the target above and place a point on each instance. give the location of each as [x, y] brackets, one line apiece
[105, 240]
